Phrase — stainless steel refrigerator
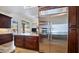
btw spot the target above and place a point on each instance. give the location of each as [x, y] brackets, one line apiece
[53, 31]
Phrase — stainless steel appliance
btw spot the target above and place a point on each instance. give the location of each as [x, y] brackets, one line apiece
[53, 32]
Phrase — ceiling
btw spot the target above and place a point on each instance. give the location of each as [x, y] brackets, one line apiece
[43, 8]
[26, 11]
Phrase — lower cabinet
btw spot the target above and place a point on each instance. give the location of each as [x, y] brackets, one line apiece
[18, 41]
[31, 42]
[5, 38]
[72, 37]
[28, 42]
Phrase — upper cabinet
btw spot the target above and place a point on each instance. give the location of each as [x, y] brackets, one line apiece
[72, 17]
[5, 21]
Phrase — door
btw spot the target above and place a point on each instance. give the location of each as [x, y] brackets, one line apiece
[59, 34]
[54, 32]
[44, 43]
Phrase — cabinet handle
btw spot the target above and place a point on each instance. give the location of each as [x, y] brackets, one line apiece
[72, 29]
[72, 26]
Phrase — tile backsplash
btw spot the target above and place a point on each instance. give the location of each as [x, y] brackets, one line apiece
[5, 31]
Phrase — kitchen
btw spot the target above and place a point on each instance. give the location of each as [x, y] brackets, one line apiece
[34, 29]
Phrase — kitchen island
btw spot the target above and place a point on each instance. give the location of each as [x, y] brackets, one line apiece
[28, 41]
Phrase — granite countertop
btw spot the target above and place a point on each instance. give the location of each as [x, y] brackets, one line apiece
[27, 34]
[5, 33]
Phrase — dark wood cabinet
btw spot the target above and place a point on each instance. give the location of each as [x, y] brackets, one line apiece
[18, 41]
[28, 42]
[5, 38]
[5, 21]
[72, 40]
[72, 29]
[77, 40]
[31, 42]
[73, 34]
[72, 17]
[77, 28]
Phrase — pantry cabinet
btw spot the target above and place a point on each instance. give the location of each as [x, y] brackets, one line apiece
[73, 34]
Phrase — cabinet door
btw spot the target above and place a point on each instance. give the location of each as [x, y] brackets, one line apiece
[5, 21]
[77, 43]
[78, 17]
[72, 40]
[18, 41]
[77, 39]
[31, 42]
[36, 40]
[5, 38]
[72, 35]
[72, 17]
